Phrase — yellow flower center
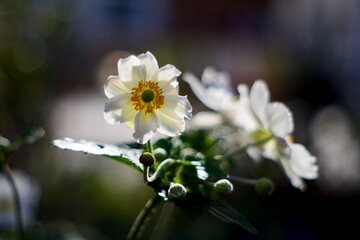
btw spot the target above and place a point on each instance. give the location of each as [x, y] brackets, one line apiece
[147, 95]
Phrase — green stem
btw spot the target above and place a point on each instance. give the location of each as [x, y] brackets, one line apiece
[141, 220]
[243, 180]
[149, 146]
[6, 170]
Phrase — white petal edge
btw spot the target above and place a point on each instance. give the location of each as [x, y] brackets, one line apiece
[170, 125]
[119, 109]
[259, 98]
[146, 125]
[213, 78]
[206, 95]
[168, 73]
[138, 74]
[280, 119]
[205, 120]
[295, 180]
[150, 63]
[114, 86]
[125, 66]
[302, 162]
[179, 104]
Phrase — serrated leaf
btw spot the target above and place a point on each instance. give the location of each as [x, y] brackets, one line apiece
[124, 154]
[227, 213]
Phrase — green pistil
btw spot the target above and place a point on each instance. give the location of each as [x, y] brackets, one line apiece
[261, 135]
[147, 95]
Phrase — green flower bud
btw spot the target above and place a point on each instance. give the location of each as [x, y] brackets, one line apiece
[147, 159]
[176, 191]
[160, 154]
[223, 187]
[264, 186]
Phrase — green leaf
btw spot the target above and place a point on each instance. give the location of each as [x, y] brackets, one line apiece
[123, 153]
[225, 212]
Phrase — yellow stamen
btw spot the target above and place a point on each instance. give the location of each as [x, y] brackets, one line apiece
[147, 95]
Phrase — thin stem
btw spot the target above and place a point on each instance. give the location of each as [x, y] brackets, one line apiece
[164, 163]
[141, 220]
[10, 178]
[243, 180]
[149, 146]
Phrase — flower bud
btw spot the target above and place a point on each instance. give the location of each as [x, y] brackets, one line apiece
[176, 191]
[264, 186]
[147, 159]
[160, 154]
[223, 187]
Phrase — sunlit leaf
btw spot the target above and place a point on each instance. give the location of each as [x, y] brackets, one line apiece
[124, 154]
[225, 212]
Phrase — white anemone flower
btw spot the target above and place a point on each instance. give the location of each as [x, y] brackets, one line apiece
[268, 126]
[146, 98]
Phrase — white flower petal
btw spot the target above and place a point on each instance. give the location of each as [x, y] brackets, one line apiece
[206, 120]
[214, 98]
[172, 113]
[169, 125]
[138, 74]
[280, 119]
[270, 150]
[168, 73]
[302, 162]
[276, 148]
[244, 94]
[119, 109]
[215, 79]
[243, 118]
[114, 86]
[146, 125]
[169, 88]
[259, 98]
[179, 105]
[294, 179]
[125, 67]
[150, 63]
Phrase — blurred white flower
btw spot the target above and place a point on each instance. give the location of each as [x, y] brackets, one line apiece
[146, 98]
[336, 143]
[268, 125]
[29, 193]
[214, 90]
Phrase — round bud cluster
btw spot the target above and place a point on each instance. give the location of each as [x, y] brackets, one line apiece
[223, 187]
[147, 159]
[176, 191]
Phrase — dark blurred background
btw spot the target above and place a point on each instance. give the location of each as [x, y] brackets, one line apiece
[55, 57]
